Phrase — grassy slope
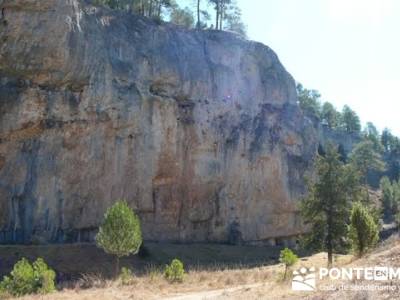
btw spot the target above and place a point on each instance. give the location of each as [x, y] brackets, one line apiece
[240, 283]
[220, 282]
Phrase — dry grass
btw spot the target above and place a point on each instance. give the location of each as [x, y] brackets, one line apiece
[241, 281]
[85, 271]
[222, 282]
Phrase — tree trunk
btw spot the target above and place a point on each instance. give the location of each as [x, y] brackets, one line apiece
[221, 14]
[330, 258]
[366, 189]
[151, 8]
[329, 249]
[198, 14]
[284, 275]
[117, 267]
[217, 15]
[142, 7]
[360, 244]
[329, 246]
[159, 10]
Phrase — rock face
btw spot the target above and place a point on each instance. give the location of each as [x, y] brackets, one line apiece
[199, 131]
[344, 140]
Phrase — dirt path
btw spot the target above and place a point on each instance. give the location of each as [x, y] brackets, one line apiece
[213, 294]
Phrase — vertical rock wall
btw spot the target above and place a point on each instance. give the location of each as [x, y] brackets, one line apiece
[198, 130]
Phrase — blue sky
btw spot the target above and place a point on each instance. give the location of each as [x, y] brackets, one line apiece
[349, 50]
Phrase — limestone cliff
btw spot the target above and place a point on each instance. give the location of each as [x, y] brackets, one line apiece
[199, 131]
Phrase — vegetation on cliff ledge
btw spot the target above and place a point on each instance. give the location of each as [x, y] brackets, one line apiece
[228, 15]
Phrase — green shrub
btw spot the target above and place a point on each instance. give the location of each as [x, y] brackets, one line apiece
[21, 280]
[28, 279]
[288, 258]
[44, 277]
[174, 272]
[126, 276]
[364, 232]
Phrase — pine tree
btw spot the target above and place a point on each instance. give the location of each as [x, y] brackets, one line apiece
[233, 17]
[350, 121]
[120, 234]
[221, 7]
[327, 206]
[309, 101]
[363, 229]
[198, 23]
[370, 133]
[364, 158]
[330, 115]
[183, 17]
[387, 197]
[288, 258]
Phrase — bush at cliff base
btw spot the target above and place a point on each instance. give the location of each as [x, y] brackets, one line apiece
[174, 272]
[126, 276]
[27, 278]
